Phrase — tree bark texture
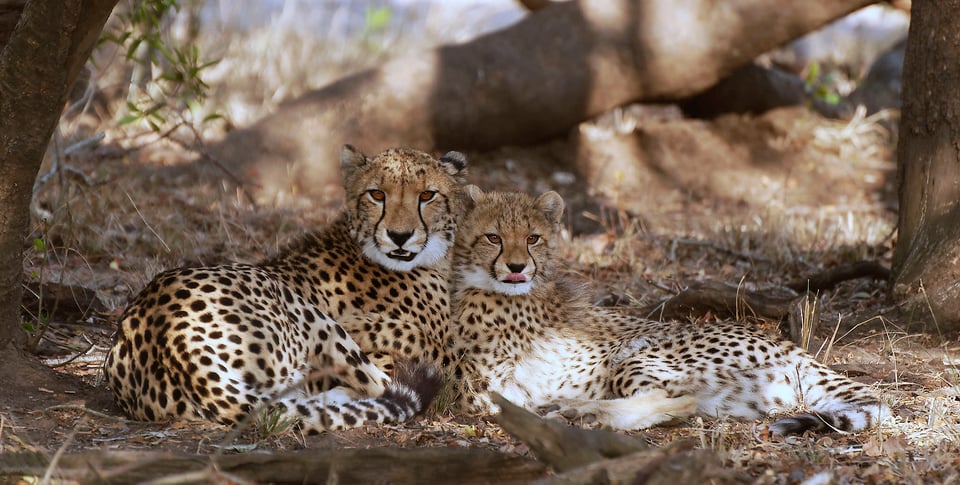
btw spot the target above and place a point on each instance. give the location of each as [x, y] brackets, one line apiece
[378, 465]
[926, 264]
[10, 11]
[529, 82]
[38, 64]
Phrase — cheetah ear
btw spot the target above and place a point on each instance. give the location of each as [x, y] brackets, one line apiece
[552, 206]
[454, 163]
[350, 159]
[474, 194]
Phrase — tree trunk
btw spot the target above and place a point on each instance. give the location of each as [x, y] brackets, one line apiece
[38, 63]
[926, 272]
[529, 82]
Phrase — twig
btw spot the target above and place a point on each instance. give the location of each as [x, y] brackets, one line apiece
[56, 457]
[62, 362]
[86, 142]
[88, 94]
[145, 221]
[661, 286]
[60, 166]
[74, 407]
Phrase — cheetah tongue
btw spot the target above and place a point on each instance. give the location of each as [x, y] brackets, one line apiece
[515, 278]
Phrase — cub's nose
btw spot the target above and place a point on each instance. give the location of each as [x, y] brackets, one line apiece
[516, 267]
[399, 238]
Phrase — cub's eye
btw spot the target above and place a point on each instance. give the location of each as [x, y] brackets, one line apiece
[493, 238]
[427, 195]
[533, 239]
[377, 195]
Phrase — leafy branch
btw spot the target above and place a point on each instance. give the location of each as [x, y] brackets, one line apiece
[166, 79]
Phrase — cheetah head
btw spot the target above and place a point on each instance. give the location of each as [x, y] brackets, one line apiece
[506, 243]
[403, 204]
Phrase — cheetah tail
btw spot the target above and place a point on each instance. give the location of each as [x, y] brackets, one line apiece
[413, 388]
[414, 382]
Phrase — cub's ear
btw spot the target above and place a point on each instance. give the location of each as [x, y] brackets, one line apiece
[350, 159]
[474, 194]
[552, 206]
[454, 163]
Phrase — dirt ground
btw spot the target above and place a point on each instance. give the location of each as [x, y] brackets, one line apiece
[656, 202]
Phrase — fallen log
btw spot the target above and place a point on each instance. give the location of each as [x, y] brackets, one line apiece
[562, 64]
[724, 301]
[377, 465]
[728, 301]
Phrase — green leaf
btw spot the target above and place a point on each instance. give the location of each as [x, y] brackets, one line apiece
[377, 18]
[130, 118]
[172, 76]
[133, 47]
[28, 327]
[813, 73]
[38, 244]
[208, 64]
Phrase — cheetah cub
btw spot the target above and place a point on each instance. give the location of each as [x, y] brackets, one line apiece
[526, 333]
[219, 342]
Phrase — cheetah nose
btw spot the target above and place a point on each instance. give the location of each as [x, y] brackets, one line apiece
[399, 238]
[516, 267]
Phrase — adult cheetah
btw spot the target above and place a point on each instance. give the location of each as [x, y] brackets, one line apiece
[217, 342]
[382, 271]
[528, 334]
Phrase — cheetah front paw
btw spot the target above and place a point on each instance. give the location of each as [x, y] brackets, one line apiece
[571, 415]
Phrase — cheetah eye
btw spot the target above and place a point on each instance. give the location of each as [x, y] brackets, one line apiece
[533, 239]
[493, 238]
[427, 195]
[377, 195]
